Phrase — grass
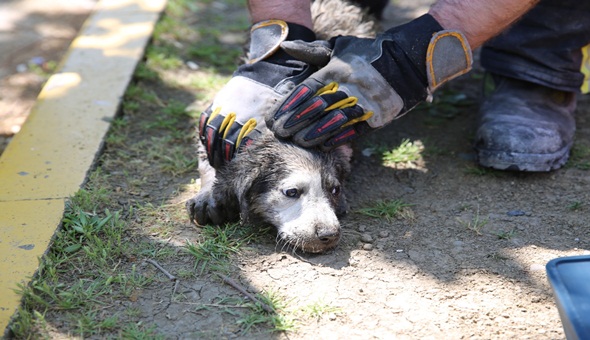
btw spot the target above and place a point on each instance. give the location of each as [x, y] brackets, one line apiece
[575, 206]
[498, 257]
[110, 225]
[506, 235]
[250, 315]
[45, 69]
[476, 223]
[163, 57]
[140, 331]
[278, 321]
[319, 309]
[212, 252]
[388, 210]
[579, 157]
[81, 272]
[406, 152]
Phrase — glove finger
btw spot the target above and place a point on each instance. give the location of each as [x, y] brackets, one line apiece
[249, 139]
[313, 109]
[228, 143]
[329, 125]
[315, 53]
[203, 121]
[307, 103]
[232, 139]
[346, 135]
[212, 135]
[332, 123]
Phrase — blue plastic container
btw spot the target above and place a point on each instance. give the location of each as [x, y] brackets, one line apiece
[570, 279]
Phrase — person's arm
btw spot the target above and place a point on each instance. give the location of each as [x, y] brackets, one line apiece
[479, 20]
[293, 11]
[259, 85]
[367, 83]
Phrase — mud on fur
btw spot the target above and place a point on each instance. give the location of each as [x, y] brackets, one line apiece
[298, 191]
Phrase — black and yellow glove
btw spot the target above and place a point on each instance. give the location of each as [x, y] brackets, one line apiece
[367, 83]
[236, 116]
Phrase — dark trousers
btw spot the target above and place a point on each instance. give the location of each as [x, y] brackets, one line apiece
[543, 47]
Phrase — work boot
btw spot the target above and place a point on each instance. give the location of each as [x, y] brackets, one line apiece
[525, 127]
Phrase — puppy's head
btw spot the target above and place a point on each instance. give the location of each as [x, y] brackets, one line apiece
[298, 191]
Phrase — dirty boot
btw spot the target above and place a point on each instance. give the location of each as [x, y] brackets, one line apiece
[525, 127]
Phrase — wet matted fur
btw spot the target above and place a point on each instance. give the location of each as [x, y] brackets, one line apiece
[298, 191]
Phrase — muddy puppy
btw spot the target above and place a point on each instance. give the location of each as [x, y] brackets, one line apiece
[298, 191]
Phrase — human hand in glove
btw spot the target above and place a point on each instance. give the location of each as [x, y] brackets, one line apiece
[367, 83]
[235, 117]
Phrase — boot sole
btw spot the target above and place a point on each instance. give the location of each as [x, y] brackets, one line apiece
[523, 162]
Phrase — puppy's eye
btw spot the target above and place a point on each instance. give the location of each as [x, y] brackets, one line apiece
[336, 190]
[294, 193]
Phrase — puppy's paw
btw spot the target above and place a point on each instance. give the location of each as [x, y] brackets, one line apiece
[202, 209]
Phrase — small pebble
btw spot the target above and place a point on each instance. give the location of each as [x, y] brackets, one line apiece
[366, 238]
[39, 61]
[20, 68]
[368, 152]
[192, 65]
[516, 213]
[362, 228]
[367, 246]
[399, 250]
[535, 267]
[383, 234]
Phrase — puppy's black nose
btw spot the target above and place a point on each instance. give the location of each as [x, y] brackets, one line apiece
[327, 235]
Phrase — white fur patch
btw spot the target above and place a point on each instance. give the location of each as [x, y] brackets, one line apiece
[299, 217]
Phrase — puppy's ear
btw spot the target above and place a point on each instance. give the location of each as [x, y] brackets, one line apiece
[342, 157]
[250, 200]
[251, 189]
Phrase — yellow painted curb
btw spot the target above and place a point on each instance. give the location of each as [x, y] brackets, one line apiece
[48, 160]
[586, 69]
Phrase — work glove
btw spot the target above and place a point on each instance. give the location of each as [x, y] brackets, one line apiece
[236, 116]
[367, 83]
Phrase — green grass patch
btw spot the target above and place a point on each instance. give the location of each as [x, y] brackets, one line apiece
[506, 235]
[44, 70]
[319, 310]
[475, 224]
[388, 210]
[224, 58]
[214, 249]
[81, 272]
[579, 157]
[164, 57]
[251, 315]
[406, 152]
[171, 157]
[575, 206]
[161, 220]
[139, 331]
[277, 321]
[145, 73]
